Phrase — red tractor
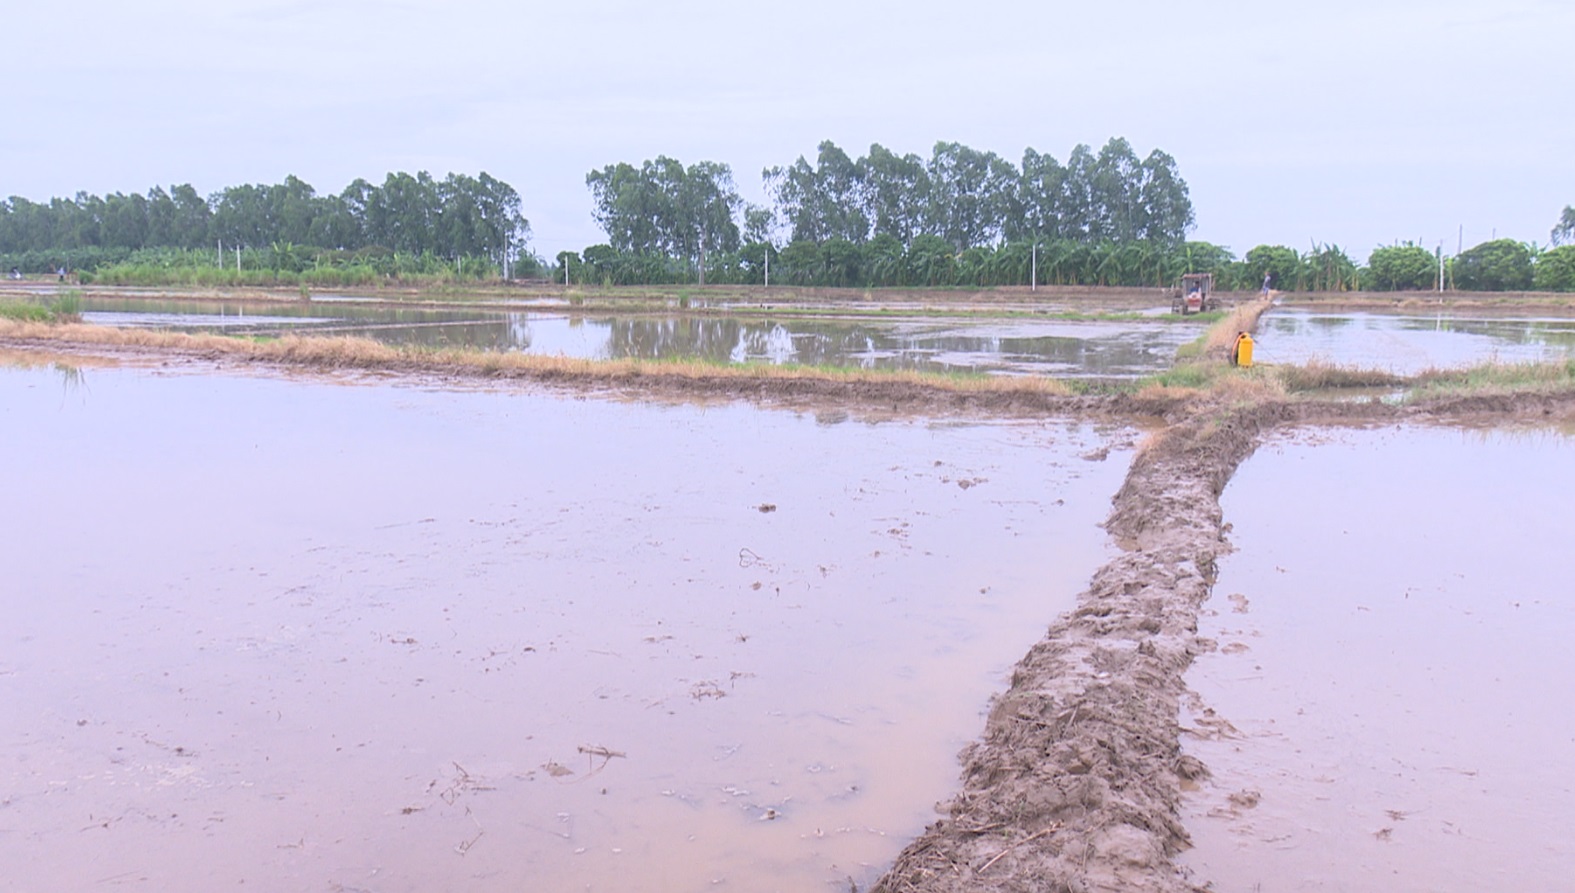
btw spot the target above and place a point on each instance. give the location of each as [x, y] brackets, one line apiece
[1195, 295]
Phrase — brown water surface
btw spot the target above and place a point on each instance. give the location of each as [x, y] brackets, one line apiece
[1143, 345]
[1409, 342]
[299, 635]
[1389, 706]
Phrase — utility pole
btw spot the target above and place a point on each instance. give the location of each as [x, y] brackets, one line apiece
[768, 264]
[1033, 268]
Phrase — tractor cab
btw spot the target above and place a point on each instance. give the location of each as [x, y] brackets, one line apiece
[1195, 295]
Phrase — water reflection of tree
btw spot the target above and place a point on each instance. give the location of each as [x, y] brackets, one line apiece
[1548, 333]
[854, 343]
[500, 335]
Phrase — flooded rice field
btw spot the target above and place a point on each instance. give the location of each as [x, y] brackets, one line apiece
[299, 634]
[1388, 706]
[1406, 343]
[1080, 348]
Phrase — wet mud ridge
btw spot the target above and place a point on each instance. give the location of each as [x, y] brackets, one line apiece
[1075, 783]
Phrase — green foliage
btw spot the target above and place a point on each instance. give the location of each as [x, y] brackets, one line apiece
[976, 199]
[292, 266]
[27, 312]
[1283, 266]
[1327, 268]
[929, 262]
[667, 208]
[823, 202]
[570, 269]
[1563, 232]
[1499, 265]
[459, 216]
[67, 305]
[1555, 269]
[1403, 267]
[1186, 374]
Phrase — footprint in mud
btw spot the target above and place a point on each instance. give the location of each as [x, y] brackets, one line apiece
[1245, 799]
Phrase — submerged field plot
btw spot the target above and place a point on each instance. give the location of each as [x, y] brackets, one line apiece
[1387, 706]
[1407, 342]
[1124, 336]
[435, 603]
[306, 635]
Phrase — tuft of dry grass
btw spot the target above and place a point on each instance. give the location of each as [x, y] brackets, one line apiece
[1496, 378]
[1318, 375]
[1243, 318]
[1250, 386]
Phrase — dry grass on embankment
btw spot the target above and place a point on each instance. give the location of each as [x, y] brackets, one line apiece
[1218, 339]
[1205, 377]
[1006, 394]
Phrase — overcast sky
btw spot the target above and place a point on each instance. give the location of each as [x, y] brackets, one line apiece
[1352, 122]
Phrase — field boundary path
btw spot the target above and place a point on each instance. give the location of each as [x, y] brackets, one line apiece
[1076, 782]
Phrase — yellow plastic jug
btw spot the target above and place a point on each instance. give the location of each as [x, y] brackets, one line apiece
[1244, 350]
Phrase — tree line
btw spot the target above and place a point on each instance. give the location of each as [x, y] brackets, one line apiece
[961, 217]
[1500, 265]
[882, 204]
[456, 217]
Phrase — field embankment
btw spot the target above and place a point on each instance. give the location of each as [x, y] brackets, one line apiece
[1076, 782]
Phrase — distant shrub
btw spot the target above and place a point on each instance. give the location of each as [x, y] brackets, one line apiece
[1499, 265]
[1555, 269]
[1400, 268]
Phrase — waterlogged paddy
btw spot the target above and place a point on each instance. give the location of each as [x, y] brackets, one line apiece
[1394, 666]
[1410, 342]
[305, 635]
[1100, 349]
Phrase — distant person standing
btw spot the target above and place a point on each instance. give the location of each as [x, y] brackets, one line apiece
[62, 272]
[1266, 278]
[16, 273]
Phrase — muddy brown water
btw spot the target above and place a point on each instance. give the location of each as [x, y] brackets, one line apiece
[298, 634]
[1388, 707]
[1409, 342]
[1082, 348]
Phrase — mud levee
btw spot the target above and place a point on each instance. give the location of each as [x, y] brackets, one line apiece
[865, 395]
[1075, 783]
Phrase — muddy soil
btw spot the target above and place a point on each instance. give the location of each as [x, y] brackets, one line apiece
[1379, 705]
[286, 630]
[866, 397]
[1075, 782]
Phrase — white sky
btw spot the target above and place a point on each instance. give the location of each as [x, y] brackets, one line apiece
[1352, 122]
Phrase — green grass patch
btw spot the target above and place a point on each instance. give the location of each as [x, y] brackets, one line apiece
[1495, 378]
[66, 307]
[26, 312]
[1317, 376]
[1199, 376]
